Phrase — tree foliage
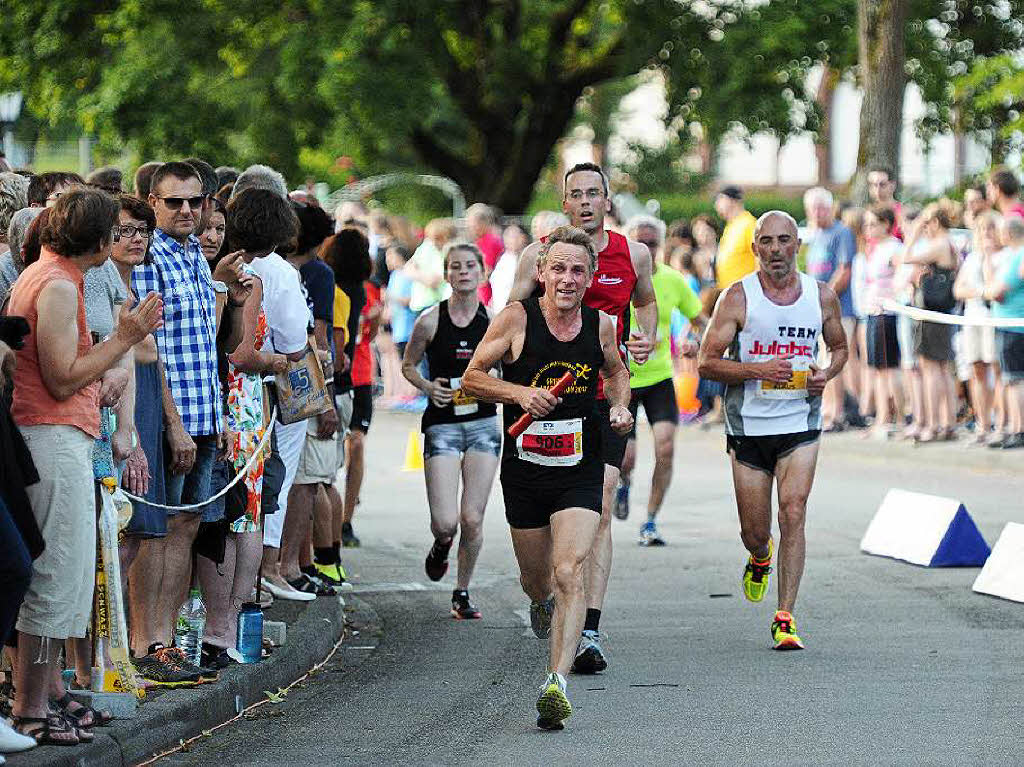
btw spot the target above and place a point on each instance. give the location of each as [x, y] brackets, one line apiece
[479, 90]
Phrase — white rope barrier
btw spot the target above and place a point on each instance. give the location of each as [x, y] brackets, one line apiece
[238, 477]
[925, 315]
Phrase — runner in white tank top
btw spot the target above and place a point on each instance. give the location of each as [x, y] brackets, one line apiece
[757, 407]
[770, 323]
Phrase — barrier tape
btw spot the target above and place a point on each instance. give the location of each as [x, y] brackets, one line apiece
[238, 477]
[925, 315]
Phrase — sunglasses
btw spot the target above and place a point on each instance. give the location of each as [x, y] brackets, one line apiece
[175, 203]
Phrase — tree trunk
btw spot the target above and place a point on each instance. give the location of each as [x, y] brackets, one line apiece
[823, 144]
[881, 57]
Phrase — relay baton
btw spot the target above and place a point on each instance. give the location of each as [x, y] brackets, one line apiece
[526, 419]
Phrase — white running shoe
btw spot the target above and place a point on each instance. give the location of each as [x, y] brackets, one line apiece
[289, 593]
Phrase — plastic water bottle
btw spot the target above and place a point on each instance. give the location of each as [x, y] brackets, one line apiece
[188, 631]
[249, 642]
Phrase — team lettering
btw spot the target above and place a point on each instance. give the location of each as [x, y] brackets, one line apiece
[788, 331]
[803, 350]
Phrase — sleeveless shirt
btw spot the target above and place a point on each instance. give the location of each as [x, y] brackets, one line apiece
[33, 404]
[570, 435]
[448, 354]
[760, 408]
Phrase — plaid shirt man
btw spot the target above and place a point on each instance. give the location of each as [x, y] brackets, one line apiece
[187, 342]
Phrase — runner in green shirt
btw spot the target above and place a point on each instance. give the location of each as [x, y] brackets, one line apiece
[652, 383]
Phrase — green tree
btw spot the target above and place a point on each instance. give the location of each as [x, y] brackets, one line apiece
[991, 94]
[480, 90]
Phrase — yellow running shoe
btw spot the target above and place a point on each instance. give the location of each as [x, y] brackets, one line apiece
[784, 632]
[755, 575]
[553, 707]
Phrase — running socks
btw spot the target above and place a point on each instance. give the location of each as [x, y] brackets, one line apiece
[592, 620]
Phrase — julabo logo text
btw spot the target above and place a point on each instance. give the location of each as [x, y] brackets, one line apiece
[760, 350]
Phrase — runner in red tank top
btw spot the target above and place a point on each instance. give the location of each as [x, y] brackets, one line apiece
[624, 270]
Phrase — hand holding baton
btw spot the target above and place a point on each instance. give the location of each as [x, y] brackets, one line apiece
[526, 419]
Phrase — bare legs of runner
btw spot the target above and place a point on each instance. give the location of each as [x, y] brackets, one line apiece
[447, 515]
[794, 476]
[599, 564]
[664, 452]
[551, 561]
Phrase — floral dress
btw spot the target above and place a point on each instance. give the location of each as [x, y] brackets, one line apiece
[245, 432]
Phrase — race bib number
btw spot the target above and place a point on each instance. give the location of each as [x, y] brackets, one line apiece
[461, 402]
[552, 443]
[794, 388]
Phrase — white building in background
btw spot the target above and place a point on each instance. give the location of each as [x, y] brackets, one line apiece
[761, 161]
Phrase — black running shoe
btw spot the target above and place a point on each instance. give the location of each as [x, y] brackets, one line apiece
[590, 657]
[160, 670]
[463, 609]
[436, 563]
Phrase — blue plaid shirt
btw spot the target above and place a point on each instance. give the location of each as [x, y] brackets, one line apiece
[187, 342]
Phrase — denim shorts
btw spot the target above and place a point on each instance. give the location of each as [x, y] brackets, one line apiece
[479, 436]
[194, 487]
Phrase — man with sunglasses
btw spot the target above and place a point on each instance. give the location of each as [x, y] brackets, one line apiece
[187, 346]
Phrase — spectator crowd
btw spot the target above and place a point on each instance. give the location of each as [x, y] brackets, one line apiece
[148, 339]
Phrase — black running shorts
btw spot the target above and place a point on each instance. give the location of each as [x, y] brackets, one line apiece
[529, 505]
[362, 408]
[659, 401]
[763, 453]
[613, 446]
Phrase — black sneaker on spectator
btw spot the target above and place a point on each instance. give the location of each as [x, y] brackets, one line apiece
[205, 674]
[215, 658]
[160, 670]
[1013, 441]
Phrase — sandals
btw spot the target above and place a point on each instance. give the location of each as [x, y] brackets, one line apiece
[83, 717]
[308, 585]
[51, 730]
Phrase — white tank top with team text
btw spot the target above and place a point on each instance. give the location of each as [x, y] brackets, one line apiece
[759, 408]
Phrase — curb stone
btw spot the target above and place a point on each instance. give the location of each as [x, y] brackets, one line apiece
[176, 715]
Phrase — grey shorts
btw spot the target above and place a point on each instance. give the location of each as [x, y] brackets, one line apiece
[479, 436]
[59, 598]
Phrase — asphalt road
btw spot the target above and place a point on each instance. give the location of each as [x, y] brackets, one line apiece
[904, 665]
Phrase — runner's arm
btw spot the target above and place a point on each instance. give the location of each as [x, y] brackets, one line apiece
[835, 339]
[726, 321]
[526, 273]
[422, 334]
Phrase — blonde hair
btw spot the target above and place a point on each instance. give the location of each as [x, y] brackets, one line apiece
[570, 235]
[444, 228]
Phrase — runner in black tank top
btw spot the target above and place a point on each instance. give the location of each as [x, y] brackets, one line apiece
[557, 463]
[460, 434]
[552, 473]
[448, 353]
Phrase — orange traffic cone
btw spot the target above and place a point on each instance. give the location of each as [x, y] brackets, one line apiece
[413, 452]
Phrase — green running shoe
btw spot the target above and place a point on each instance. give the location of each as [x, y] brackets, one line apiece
[756, 575]
[553, 707]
